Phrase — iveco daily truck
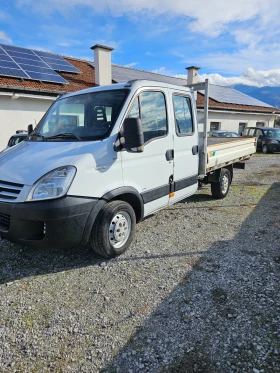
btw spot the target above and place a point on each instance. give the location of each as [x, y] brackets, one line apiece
[102, 159]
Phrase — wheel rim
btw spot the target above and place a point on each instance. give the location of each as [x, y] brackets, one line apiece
[225, 184]
[264, 149]
[119, 229]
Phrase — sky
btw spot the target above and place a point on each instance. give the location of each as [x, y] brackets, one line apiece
[233, 42]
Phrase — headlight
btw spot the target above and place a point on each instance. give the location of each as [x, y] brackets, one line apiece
[273, 142]
[54, 184]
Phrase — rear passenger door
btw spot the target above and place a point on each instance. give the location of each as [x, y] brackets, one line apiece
[149, 172]
[260, 137]
[185, 146]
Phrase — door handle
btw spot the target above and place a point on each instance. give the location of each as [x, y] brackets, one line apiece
[169, 155]
[195, 149]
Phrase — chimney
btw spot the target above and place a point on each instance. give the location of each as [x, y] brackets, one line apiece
[192, 74]
[102, 64]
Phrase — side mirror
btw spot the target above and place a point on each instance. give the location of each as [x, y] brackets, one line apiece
[132, 137]
[30, 129]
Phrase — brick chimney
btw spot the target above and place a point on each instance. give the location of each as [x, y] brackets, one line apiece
[102, 64]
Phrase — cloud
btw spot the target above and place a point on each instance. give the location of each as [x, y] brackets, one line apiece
[210, 17]
[220, 36]
[131, 64]
[64, 44]
[160, 70]
[5, 38]
[251, 77]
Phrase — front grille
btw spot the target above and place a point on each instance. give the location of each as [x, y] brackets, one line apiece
[5, 222]
[9, 191]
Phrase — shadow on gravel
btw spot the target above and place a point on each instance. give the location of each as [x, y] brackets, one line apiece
[18, 262]
[224, 315]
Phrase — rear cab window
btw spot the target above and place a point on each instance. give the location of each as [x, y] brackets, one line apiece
[183, 115]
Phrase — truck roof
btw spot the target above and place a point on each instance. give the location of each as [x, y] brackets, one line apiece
[138, 83]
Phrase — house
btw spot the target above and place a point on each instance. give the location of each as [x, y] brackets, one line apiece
[230, 109]
[30, 81]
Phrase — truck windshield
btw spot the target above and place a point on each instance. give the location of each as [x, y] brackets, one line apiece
[88, 116]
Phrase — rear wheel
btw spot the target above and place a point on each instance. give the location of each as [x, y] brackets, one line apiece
[113, 229]
[265, 149]
[221, 188]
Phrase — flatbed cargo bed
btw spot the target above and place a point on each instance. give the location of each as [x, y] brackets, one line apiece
[224, 151]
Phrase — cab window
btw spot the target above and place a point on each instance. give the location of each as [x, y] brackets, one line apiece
[183, 115]
[150, 107]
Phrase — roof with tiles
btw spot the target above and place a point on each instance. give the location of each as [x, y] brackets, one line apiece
[219, 98]
[223, 106]
[76, 81]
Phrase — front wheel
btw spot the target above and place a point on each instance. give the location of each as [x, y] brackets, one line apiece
[113, 229]
[221, 188]
[265, 149]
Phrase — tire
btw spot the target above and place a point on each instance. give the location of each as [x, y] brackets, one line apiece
[113, 229]
[265, 149]
[221, 188]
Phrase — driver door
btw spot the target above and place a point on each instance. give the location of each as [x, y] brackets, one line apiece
[149, 172]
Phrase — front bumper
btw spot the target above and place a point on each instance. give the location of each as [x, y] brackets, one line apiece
[54, 224]
[273, 147]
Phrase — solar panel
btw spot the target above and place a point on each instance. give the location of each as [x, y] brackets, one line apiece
[24, 63]
[11, 48]
[24, 55]
[232, 96]
[46, 70]
[5, 58]
[45, 54]
[56, 62]
[16, 73]
[9, 64]
[62, 67]
[46, 77]
[37, 65]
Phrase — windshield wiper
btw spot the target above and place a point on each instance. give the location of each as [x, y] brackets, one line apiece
[65, 135]
[38, 135]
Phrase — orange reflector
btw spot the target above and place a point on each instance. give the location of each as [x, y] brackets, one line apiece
[171, 194]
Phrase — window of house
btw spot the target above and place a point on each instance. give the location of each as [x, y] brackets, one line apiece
[260, 124]
[214, 126]
[183, 115]
[150, 106]
[241, 127]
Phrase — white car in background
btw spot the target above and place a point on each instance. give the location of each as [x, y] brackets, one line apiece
[18, 137]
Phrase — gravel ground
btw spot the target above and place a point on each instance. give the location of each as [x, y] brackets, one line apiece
[198, 291]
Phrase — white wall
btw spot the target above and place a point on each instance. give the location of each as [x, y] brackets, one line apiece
[230, 121]
[17, 114]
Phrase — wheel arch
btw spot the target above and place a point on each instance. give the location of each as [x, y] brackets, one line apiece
[215, 176]
[129, 195]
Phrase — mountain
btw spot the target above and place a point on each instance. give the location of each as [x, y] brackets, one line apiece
[270, 95]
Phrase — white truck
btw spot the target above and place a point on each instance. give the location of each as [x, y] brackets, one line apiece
[102, 159]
